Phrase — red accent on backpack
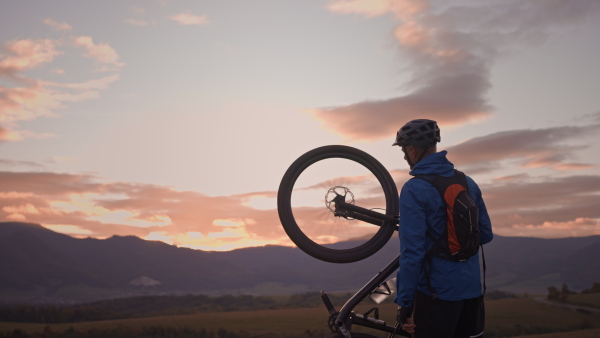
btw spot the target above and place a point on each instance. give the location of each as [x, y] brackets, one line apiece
[450, 196]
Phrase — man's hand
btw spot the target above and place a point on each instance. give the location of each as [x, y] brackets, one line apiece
[404, 318]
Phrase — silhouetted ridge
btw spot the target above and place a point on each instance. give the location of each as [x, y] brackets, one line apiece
[35, 258]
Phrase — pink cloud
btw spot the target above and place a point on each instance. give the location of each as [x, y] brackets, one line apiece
[43, 100]
[450, 55]
[137, 22]
[25, 104]
[371, 8]
[58, 26]
[549, 147]
[578, 227]
[93, 84]
[104, 209]
[190, 19]
[26, 54]
[82, 205]
[563, 207]
[103, 53]
[31, 99]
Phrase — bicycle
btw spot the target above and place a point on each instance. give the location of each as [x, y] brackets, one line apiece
[343, 231]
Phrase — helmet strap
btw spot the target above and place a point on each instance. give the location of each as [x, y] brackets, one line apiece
[423, 153]
[410, 165]
[421, 156]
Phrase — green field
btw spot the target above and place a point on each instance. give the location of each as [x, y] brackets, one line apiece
[505, 318]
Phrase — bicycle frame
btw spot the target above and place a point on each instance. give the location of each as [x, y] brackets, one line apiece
[346, 317]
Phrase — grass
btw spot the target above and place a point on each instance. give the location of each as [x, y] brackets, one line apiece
[595, 333]
[588, 300]
[504, 318]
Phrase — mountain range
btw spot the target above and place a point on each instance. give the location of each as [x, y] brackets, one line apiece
[39, 265]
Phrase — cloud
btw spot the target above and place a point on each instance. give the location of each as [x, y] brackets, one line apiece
[137, 22]
[58, 26]
[138, 10]
[372, 8]
[140, 18]
[26, 54]
[42, 100]
[79, 204]
[83, 205]
[559, 207]
[93, 84]
[5, 164]
[549, 147]
[577, 228]
[450, 51]
[190, 19]
[25, 104]
[103, 53]
[26, 99]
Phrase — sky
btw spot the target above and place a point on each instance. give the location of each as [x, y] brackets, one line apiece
[175, 120]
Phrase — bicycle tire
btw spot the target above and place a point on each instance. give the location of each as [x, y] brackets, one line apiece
[382, 179]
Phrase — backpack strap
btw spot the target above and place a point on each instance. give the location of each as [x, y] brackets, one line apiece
[483, 260]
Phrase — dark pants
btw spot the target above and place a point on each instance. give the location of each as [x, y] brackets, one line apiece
[436, 318]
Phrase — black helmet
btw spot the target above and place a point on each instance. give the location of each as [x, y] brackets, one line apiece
[419, 133]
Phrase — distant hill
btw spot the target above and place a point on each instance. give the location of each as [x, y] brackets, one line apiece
[37, 264]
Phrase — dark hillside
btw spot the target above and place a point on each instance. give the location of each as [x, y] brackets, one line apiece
[53, 264]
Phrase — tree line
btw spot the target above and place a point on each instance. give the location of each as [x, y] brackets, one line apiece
[152, 332]
[133, 307]
[150, 306]
[561, 295]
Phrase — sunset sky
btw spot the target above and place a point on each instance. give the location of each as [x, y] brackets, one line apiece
[175, 120]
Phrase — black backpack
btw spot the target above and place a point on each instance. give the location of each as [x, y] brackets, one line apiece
[460, 239]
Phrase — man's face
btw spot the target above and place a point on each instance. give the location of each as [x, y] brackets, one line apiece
[406, 151]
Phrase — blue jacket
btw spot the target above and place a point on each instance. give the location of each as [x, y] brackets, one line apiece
[422, 208]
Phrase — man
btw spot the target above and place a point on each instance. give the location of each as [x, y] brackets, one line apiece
[446, 295]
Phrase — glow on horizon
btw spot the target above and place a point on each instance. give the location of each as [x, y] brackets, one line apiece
[178, 123]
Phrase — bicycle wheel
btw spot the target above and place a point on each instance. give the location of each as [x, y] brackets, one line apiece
[305, 202]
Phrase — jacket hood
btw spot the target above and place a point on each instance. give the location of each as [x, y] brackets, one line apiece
[434, 164]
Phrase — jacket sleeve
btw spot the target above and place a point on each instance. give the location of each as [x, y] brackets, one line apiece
[485, 224]
[412, 232]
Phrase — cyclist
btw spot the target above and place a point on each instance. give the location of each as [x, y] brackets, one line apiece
[446, 295]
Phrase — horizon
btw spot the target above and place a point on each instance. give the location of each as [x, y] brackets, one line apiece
[175, 121]
[260, 246]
